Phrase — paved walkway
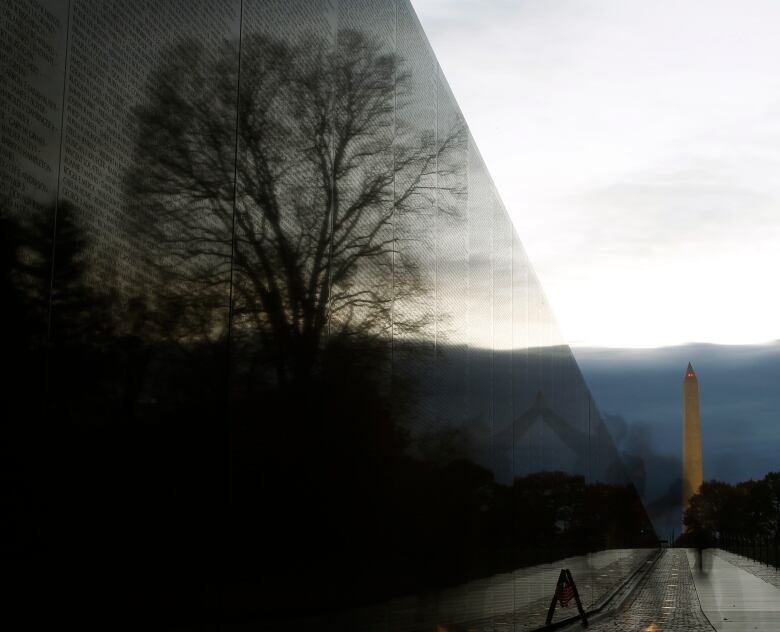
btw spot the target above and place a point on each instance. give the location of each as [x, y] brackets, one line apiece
[506, 602]
[664, 600]
[519, 601]
[731, 594]
[733, 598]
[769, 574]
[727, 593]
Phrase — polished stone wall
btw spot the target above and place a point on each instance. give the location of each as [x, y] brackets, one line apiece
[277, 351]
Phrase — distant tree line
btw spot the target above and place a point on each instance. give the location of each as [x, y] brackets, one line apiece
[750, 509]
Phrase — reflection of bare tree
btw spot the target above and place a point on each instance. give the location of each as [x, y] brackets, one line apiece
[310, 185]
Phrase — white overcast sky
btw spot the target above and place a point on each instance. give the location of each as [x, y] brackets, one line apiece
[636, 146]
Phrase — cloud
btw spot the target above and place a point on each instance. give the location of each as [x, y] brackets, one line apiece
[739, 401]
[696, 208]
[628, 147]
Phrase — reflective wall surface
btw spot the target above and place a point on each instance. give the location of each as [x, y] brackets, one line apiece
[276, 352]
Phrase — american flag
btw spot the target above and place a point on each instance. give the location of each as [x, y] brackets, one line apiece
[565, 593]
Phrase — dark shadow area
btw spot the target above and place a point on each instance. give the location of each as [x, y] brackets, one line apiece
[259, 406]
[150, 474]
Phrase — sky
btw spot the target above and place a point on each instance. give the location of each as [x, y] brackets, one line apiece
[636, 146]
[638, 393]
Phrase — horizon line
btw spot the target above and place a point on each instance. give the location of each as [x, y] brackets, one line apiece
[580, 345]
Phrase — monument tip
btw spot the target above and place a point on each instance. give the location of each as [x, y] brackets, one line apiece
[689, 371]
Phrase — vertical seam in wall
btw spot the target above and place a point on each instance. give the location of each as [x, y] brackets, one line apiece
[436, 224]
[468, 270]
[391, 376]
[235, 187]
[59, 178]
[392, 207]
[492, 407]
[589, 470]
[512, 385]
[436, 416]
[332, 210]
[228, 344]
[591, 404]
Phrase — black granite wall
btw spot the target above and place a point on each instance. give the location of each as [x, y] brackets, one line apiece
[273, 348]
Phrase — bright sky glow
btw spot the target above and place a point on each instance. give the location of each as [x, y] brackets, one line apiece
[636, 146]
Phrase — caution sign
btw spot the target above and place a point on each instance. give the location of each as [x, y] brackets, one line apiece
[565, 591]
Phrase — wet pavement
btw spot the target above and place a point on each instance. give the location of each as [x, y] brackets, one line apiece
[769, 574]
[507, 602]
[726, 593]
[732, 594]
[664, 600]
[681, 593]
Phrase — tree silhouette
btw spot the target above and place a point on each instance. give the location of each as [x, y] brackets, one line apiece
[750, 509]
[300, 194]
[288, 197]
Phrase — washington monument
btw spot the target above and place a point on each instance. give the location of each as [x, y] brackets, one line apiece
[692, 475]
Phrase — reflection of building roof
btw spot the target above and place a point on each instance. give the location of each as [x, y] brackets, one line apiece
[574, 439]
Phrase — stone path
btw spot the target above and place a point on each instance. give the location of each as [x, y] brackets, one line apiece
[733, 598]
[665, 600]
[506, 602]
[769, 574]
[730, 594]
[727, 593]
[519, 601]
